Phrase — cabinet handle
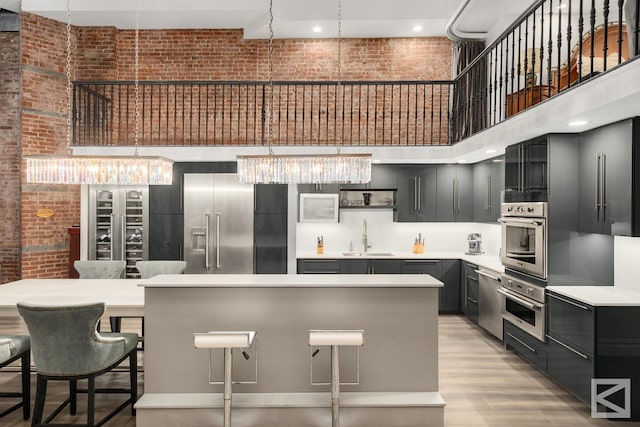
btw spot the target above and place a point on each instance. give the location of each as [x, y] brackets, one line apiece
[218, 217]
[421, 261]
[419, 193]
[597, 186]
[489, 193]
[454, 197]
[520, 168]
[181, 193]
[123, 238]
[603, 182]
[522, 343]
[415, 193]
[584, 356]
[113, 232]
[584, 307]
[472, 300]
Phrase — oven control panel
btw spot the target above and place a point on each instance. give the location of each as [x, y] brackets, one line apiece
[524, 209]
[534, 292]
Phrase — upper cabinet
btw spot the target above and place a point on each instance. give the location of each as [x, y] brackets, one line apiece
[454, 193]
[526, 172]
[416, 196]
[607, 160]
[488, 182]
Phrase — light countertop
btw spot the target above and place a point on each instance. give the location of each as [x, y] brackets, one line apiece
[488, 261]
[292, 281]
[599, 295]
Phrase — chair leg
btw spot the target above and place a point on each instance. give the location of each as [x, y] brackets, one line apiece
[41, 392]
[133, 376]
[91, 401]
[26, 385]
[73, 396]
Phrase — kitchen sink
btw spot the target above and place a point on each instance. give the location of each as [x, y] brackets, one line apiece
[370, 254]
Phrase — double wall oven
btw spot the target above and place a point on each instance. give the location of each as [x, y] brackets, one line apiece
[524, 255]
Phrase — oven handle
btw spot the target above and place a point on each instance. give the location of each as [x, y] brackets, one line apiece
[521, 221]
[519, 300]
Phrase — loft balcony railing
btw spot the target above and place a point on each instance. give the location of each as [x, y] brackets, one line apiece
[554, 46]
[238, 113]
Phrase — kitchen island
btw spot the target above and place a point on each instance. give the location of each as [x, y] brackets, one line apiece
[398, 367]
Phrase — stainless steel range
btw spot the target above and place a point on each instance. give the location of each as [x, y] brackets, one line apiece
[524, 237]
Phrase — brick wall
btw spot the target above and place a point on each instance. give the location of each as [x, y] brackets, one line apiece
[106, 53]
[44, 241]
[10, 155]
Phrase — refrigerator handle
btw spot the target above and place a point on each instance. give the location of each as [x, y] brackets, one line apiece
[113, 233]
[218, 215]
[206, 240]
[123, 239]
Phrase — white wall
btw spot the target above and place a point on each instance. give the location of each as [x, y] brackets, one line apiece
[386, 235]
[625, 262]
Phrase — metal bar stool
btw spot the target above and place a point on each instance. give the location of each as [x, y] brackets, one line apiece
[335, 339]
[226, 340]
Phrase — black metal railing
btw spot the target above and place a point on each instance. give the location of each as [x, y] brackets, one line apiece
[554, 46]
[237, 113]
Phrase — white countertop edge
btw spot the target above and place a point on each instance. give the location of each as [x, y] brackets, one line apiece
[491, 262]
[292, 281]
[599, 295]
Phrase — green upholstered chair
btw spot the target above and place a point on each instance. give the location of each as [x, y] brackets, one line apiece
[99, 269]
[149, 269]
[12, 348]
[66, 346]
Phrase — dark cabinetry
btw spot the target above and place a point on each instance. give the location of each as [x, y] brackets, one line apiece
[526, 172]
[318, 266]
[525, 345]
[445, 270]
[270, 228]
[470, 291]
[371, 266]
[606, 180]
[488, 182]
[454, 193]
[416, 197]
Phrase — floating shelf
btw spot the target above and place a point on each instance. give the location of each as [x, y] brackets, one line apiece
[367, 198]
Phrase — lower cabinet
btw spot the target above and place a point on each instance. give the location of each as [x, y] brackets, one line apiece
[445, 270]
[570, 368]
[525, 345]
[470, 294]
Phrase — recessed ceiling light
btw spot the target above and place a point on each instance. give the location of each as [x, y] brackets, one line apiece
[497, 160]
[462, 161]
[561, 6]
[317, 29]
[578, 123]
[417, 28]
[376, 161]
[491, 151]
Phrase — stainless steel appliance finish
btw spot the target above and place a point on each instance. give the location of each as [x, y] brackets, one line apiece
[490, 312]
[218, 224]
[475, 244]
[523, 305]
[524, 237]
[118, 225]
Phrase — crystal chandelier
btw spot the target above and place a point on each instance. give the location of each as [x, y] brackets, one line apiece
[116, 170]
[337, 168]
[303, 169]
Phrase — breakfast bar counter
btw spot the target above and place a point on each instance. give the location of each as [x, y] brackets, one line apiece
[398, 363]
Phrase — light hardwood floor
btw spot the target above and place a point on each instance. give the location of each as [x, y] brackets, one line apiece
[483, 385]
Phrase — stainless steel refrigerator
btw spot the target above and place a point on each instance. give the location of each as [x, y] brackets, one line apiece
[118, 224]
[218, 224]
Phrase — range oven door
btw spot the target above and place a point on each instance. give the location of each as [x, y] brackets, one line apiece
[524, 245]
[527, 314]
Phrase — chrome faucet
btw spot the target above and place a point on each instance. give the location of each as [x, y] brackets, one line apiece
[365, 238]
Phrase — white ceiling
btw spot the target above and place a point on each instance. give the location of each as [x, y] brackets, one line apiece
[292, 18]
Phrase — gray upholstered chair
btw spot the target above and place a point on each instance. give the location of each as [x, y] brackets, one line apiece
[66, 346]
[99, 269]
[12, 348]
[149, 269]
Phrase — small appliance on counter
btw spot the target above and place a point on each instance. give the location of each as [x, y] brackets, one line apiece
[475, 244]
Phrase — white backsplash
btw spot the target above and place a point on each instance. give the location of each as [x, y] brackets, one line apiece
[626, 255]
[386, 235]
